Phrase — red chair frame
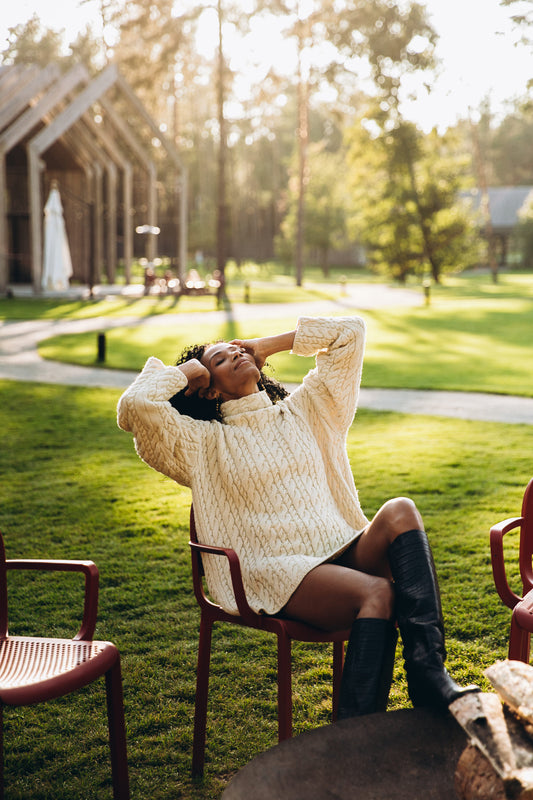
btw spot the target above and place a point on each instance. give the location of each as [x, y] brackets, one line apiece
[522, 616]
[33, 670]
[285, 630]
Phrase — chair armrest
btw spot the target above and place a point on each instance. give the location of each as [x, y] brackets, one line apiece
[92, 577]
[236, 577]
[497, 532]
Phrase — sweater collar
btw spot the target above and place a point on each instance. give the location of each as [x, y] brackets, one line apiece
[252, 402]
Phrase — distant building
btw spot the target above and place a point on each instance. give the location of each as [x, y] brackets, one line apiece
[505, 204]
[96, 141]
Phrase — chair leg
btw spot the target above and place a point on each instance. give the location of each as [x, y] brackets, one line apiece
[1, 752]
[284, 688]
[338, 661]
[117, 732]
[519, 642]
[202, 689]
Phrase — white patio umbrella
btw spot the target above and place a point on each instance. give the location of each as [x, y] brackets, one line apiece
[57, 265]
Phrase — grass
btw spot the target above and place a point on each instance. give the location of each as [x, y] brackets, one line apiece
[73, 487]
[278, 289]
[474, 336]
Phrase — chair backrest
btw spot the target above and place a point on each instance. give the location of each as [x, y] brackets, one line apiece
[197, 566]
[526, 539]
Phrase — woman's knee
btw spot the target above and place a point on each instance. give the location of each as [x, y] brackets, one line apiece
[379, 599]
[402, 515]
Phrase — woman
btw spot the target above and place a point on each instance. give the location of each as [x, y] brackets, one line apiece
[270, 478]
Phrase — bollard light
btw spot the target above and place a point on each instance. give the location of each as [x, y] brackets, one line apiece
[101, 348]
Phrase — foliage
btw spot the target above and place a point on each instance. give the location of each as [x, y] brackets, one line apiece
[33, 44]
[405, 200]
[325, 225]
[395, 39]
[512, 160]
[73, 487]
[158, 49]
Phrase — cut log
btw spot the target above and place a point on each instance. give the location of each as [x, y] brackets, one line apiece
[513, 680]
[500, 737]
[475, 778]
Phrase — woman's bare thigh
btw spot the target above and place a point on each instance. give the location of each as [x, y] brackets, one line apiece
[331, 596]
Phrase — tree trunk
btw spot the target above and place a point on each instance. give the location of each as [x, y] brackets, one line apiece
[221, 253]
[303, 141]
[485, 203]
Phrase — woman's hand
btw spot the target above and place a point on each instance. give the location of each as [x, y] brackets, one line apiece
[198, 378]
[266, 346]
[254, 347]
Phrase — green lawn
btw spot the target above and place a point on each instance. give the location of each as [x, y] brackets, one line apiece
[474, 336]
[72, 486]
[278, 289]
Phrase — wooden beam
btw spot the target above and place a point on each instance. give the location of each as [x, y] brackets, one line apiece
[128, 222]
[4, 256]
[16, 77]
[111, 237]
[8, 139]
[93, 92]
[24, 124]
[125, 131]
[42, 142]
[39, 82]
[139, 107]
[36, 207]
[86, 145]
[183, 172]
[110, 145]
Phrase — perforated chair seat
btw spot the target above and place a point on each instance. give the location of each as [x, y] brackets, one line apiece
[34, 669]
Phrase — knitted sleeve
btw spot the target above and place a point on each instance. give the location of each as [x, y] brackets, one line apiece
[333, 385]
[164, 439]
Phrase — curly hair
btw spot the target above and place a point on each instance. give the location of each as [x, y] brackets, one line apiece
[202, 408]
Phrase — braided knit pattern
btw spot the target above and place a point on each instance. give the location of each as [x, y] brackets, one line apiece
[272, 481]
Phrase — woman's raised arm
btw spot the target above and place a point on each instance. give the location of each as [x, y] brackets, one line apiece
[266, 346]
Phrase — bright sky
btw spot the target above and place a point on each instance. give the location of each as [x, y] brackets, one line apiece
[477, 47]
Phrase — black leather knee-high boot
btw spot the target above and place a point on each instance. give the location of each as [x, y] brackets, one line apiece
[419, 616]
[368, 666]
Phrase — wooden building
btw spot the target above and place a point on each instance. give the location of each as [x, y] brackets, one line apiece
[504, 204]
[110, 160]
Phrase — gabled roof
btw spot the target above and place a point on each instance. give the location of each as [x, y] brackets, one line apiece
[505, 204]
[40, 110]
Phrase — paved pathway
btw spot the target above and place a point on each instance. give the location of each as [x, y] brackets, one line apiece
[19, 359]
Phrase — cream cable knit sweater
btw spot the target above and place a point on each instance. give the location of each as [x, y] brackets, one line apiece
[272, 481]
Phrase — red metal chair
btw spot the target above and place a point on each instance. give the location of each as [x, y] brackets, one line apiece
[285, 630]
[33, 669]
[522, 616]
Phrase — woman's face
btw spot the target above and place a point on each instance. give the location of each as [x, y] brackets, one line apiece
[234, 372]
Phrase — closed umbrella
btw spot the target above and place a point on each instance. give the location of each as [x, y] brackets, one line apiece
[57, 265]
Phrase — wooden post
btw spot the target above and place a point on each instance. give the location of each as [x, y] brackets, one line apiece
[4, 255]
[35, 167]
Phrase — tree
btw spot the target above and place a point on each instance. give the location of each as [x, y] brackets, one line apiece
[406, 231]
[305, 27]
[32, 43]
[511, 154]
[393, 40]
[325, 229]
